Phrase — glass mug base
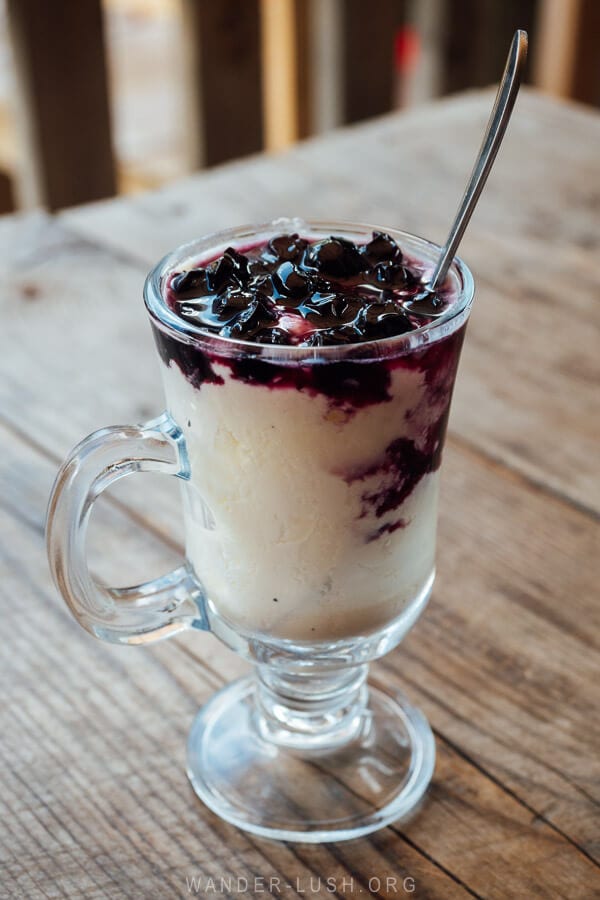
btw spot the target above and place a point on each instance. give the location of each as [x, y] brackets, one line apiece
[303, 749]
[376, 775]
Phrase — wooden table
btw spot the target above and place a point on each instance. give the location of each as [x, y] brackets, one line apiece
[94, 797]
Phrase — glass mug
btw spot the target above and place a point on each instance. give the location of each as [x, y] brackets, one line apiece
[310, 482]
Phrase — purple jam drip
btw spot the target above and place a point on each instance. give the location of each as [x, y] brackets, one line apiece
[386, 528]
[400, 469]
[350, 384]
[192, 362]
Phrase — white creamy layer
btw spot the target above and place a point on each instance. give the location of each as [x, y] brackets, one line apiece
[273, 529]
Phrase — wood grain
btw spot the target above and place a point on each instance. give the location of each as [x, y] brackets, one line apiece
[566, 53]
[586, 70]
[60, 64]
[223, 54]
[7, 194]
[94, 789]
[368, 73]
[505, 661]
[476, 38]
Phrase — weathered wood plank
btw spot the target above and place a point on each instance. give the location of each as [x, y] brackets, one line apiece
[223, 55]
[412, 169]
[65, 279]
[566, 53]
[407, 170]
[586, 69]
[368, 73]
[476, 38]
[295, 92]
[505, 660]
[64, 109]
[93, 778]
[92, 741]
[281, 58]
[7, 197]
[500, 530]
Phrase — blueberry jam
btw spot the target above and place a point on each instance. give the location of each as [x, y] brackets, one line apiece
[306, 293]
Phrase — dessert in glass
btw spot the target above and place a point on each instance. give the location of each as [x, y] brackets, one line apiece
[308, 373]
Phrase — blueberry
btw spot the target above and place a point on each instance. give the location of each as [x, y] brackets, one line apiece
[370, 313]
[263, 284]
[349, 245]
[390, 275]
[290, 281]
[191, 313]
[258, 267]
[393, 325]
[200, 314]
[382, 248]
[220, 273]
[230, 303]
[346, 334]
[337, 257]
[327, 255]
[380, 320]
[287, 247]
[318, 308]
[339, 306]
[241, 264]
[411, 279]
[256, 315]
[192, 283]
[318, 315]
[321, 301]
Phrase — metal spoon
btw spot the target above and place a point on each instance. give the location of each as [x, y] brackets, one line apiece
[503, 107]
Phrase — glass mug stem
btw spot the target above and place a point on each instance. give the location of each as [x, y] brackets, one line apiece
[311, 711]
[135, 615]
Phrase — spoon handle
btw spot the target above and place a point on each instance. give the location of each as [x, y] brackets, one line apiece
[503, 107]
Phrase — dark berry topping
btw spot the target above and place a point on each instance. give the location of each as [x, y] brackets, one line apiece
[245, 325]
[220, 274]
[382, 248]
[241, 267]
[290, 281]
[263, 284]
[313, 294]
[337, 257]
[230, 303]
[287, 247]
[330, 337]
[390, 275]
[190, 284]
[383, 320]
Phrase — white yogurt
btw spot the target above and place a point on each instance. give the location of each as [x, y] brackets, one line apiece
[276, 533]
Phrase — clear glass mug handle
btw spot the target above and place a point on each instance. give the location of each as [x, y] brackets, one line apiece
[135, 615]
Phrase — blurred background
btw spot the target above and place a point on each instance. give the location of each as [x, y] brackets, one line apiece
[99, 97]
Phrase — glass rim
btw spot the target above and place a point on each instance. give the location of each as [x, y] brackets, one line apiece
[164, 318]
